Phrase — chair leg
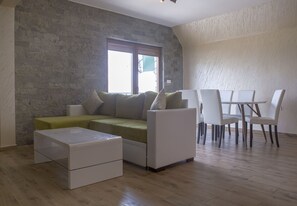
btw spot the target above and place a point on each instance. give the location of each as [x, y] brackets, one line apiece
[264, 133]
[202, 129]
[270, 133]
[212, 132]
[205, 127]
[236, 133]
[221, 135]
[251, 135]
[216, 132]
[276, 135]
[199, 132]
[229, 129]
[246, 128]
[242, 134]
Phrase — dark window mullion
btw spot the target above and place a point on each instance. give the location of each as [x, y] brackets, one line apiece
[160, 72]
[135, 70]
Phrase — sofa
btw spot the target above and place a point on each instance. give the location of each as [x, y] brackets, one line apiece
[151, 138]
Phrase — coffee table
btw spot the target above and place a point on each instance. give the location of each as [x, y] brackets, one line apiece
[84, 156]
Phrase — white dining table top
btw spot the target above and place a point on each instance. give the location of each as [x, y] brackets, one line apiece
[244, 102]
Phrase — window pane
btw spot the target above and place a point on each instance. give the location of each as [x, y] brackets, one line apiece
[120, 66]
[148, 67]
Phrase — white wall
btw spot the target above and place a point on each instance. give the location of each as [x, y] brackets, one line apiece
[7, 86]
[254, 48]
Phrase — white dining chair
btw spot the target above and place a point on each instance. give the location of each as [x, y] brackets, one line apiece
[271, 118]
[244, 96]
[213, 112]
[193, 102]
[226, 96]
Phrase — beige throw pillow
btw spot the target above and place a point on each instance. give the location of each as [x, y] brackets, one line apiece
[109, 106]
[160, 101]
[174, 100]
[92, 103]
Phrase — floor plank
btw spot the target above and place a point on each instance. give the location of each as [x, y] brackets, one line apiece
[232, 175]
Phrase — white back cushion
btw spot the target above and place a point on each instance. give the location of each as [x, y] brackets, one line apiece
[275, 104]
[248, 96]
[226, 96]
[212, 107]
[193, 102]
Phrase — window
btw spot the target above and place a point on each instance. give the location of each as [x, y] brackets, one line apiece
[133, 68]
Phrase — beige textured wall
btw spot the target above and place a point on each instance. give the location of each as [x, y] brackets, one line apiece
[7, 86]
[254, 48]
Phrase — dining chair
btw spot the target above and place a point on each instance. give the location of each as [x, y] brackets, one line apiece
[193, 102]
[226, 96]
[213, 112]
[271, 118]
[248, 96]
[242, 96]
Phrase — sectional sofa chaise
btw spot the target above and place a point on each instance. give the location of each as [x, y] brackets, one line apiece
[151, 138]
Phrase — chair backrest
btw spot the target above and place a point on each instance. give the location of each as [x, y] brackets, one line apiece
[212, 106]
[226, 96]
[275, 104]
[192, 100]
[245, 95]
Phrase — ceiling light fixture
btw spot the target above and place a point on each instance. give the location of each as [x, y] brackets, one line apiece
[174, 1]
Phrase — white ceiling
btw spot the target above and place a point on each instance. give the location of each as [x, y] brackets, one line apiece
[169, 13]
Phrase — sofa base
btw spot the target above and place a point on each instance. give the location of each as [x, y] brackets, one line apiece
[134, 152]
[156, 170]
[190, 159]
[165, 167]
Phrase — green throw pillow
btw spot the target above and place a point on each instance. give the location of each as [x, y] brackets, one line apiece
[129, 106]
[174, 100]
[109, 105]
[148, 100]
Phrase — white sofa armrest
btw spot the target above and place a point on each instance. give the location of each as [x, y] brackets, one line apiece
[171, 136]
[75, 110]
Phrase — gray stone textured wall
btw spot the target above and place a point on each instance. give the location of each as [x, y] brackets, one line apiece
[61, 56]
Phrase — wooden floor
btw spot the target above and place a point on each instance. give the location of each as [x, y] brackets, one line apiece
[263, 175]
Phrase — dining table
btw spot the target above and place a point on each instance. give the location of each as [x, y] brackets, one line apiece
[250, 104]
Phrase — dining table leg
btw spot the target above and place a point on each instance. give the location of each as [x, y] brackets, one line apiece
[262, 126]
[244, 130]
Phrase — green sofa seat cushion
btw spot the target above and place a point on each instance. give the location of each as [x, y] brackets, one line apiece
[135, 130]
[105, 125]
[66, 121]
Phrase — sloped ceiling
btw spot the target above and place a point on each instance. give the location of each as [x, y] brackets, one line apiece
[169, 13]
